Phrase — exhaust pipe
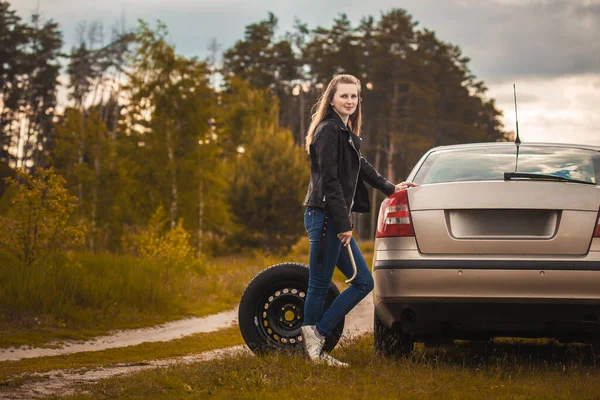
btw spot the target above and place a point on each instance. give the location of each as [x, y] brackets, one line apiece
[408, 315]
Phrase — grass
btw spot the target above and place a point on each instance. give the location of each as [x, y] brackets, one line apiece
[517, 369]
[15, 373]
[101, 292]
[115, 295]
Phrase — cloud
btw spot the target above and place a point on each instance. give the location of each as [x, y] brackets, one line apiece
[503, 38]
[506, 97]
[507, 39]
[565, 109]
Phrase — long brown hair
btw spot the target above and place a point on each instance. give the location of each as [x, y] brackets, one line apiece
[324, 101]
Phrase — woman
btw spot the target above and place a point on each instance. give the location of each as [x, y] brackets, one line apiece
[336, 188]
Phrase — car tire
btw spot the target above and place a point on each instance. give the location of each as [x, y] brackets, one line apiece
[390, 342]
[272, 308]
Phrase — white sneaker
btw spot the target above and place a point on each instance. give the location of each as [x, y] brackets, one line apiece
[332, 361]
[313, 344]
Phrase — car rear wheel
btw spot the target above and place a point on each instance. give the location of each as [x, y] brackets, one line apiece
[391, 342]
[271, 310]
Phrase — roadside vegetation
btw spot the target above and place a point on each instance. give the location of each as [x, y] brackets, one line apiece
[111, 294]
[515, 369]
[119, 292]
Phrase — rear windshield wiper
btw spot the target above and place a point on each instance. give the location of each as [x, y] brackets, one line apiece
[543, 177]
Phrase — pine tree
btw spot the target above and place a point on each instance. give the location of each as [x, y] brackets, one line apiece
[39, 82]
[260, 58]
[13, 39]
[266, 62]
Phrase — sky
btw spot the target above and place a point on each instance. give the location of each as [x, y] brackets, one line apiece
[548, 48]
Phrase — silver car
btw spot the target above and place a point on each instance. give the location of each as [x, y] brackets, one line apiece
[499, 239]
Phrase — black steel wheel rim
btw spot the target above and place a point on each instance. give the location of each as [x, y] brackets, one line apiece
[280, 314]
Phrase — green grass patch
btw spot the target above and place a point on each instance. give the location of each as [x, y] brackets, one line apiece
[507, 370]
[11, 372]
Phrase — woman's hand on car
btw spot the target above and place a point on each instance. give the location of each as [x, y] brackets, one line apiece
[345, 237]
[404, 185]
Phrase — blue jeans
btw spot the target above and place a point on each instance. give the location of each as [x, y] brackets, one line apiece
[320, 275]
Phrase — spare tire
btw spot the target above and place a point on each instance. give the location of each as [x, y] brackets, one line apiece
[272, 308]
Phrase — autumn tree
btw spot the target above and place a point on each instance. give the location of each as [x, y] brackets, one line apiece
[37, 225]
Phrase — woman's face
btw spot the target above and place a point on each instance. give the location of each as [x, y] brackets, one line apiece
[345, 99]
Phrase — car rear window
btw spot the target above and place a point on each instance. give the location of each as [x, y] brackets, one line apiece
[490, 163]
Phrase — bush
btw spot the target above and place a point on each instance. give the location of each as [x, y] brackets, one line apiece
[35, 237]
[69, 289]
[164, 249]
[37, 227]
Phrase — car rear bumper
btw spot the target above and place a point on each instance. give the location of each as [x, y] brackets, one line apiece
[396, 283]
[464, 298]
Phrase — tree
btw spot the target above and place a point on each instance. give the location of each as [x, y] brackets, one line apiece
[266, 62]
[89, 69]
[260, 59]
[171, 114]
[28, 80]
[12, 41]
[39, 82]
[463, 114]
[86, 147]
[243, 112]
[267, 174]
[333, 51]
[267, 192]
[79, 155]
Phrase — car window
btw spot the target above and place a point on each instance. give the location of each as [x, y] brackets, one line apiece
[490, 163]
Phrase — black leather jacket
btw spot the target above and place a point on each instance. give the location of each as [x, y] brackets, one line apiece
[338, 172]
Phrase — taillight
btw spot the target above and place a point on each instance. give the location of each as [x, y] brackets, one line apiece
[597, 231]
[394, 216]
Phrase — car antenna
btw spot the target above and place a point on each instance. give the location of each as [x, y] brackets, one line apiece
[517, 138]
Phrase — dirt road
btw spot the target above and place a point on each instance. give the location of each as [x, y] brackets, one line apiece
[160, 333]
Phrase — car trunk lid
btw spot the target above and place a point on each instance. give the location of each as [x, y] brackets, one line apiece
[504, 217]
